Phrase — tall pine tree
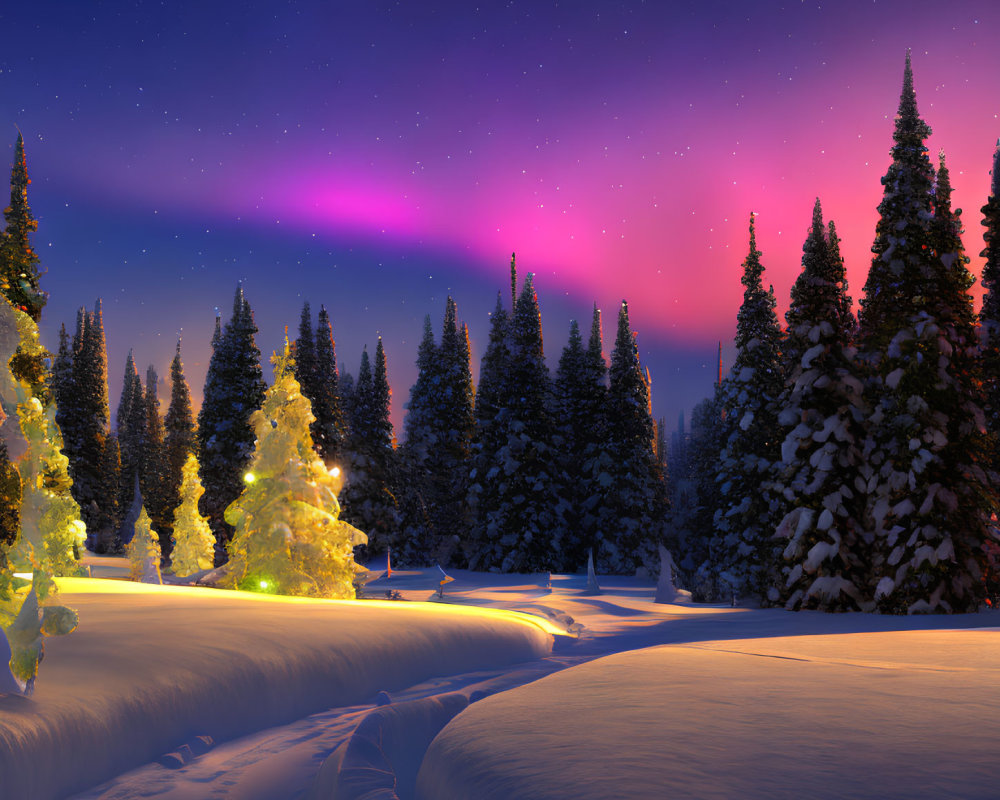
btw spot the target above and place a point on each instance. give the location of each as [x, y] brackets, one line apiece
[368, 501]
[822, 473]
[330, 427]
[132, 426]
[742, 546]
[234, 389]
[179, 437]
[930, 497]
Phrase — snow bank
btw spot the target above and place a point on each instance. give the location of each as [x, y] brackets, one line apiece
[151, 667]
[912, 714]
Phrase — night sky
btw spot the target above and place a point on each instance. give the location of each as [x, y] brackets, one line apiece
[377, 157]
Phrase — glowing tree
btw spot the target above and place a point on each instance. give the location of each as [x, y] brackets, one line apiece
[288, 536]
[51, 531]
[144, 551]
[194, 542]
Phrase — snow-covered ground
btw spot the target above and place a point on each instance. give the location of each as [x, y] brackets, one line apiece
[714, 702]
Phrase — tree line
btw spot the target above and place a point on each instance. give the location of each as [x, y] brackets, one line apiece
[851, 463]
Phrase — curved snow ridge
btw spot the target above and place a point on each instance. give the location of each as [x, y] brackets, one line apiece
[152, 666]
[680, 721]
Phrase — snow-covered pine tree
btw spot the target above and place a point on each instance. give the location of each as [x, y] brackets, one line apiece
[989, 315]
[523, 527]
[304, 354]
[743, 550]
[367, 498]
[418, 543]
[821, 477]
[490, 398]
[179, 437]
[633, 512]
[132, 426]
[580, 400]
[456, 421]
[18, 260]
[288, 538]
[930, 497]
[143, 551]
[234, 389]
[154, 467]
[330, 427]
[194, 543]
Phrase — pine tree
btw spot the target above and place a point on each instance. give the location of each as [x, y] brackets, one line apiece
[330, 427]
[154, 467]
[989, 315]
[234, 388]
[288, 537]
[132, 426]
[417, 543]
[457, 423]
[633, 513]
[490, 397]
[580, 399]
[194, 542]
[523, 527]
[179, 439]
[304, 353]
[367, 498]
[822, 473]
[930, 498]
[18, 260]
[143, 551]
[742, 547]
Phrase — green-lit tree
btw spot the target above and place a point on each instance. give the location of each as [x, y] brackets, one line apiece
[288, 535]
[143, 551]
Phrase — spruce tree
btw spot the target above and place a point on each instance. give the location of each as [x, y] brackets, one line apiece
[18, 260]
[179, 437]
[989, 315]
[633, 513]
[523, 530]
[743, 550]
[930, 499]
[304, 353]
[580, 397]
[490, 397]
[154, 467]
[234, 389]
[822, 473]
[417, 498]
[132, 426]
[289, 539]
[369, 503]
[330, 427]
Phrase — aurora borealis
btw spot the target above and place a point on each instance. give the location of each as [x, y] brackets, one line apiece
[376, 157]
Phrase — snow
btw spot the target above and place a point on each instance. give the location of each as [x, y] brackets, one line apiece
[819, 717]
[589, 696]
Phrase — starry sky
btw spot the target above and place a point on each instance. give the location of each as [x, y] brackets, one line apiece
[376, 157]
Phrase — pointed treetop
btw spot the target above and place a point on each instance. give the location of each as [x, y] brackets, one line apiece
[513, 283]
[752, 269]
[995, 172]
[909, 127]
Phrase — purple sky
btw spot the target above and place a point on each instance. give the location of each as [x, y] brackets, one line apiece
[376, 157]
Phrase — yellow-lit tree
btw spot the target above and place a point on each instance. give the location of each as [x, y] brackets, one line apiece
[194, 542]
[289, 538]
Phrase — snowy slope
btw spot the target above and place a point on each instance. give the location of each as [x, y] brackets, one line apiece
[152, 667]
[909, 714]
